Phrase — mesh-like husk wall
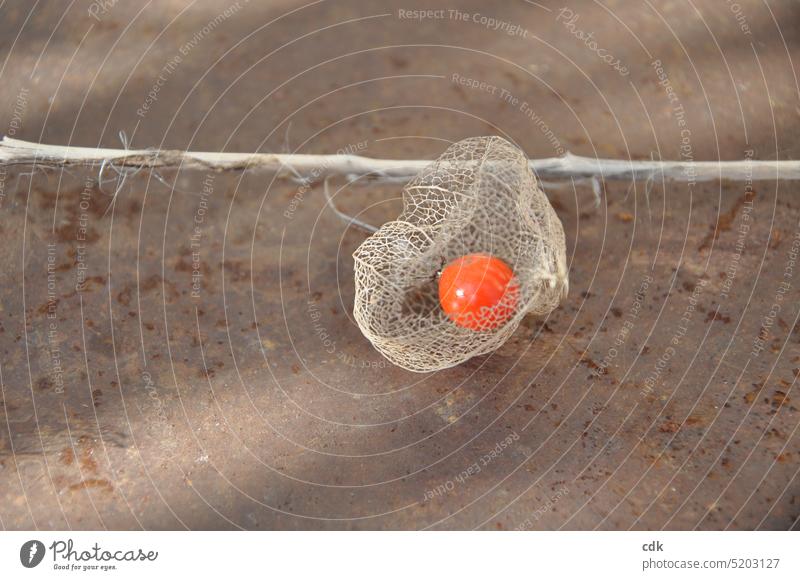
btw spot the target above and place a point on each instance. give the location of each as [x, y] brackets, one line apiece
[480, 196]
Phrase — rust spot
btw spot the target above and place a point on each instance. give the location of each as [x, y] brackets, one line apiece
[88, 285]
[779, 398]
[87, 462]
[44, 384]
[724, 222]
[624, 216]
[151, 282]
[593, 365]
[669, 427]
[103, 484]
[184, 266]
[398, 61]
[69, 233]
[124, 297]
[775, 238]
[67, 456]
[238, 271]
[47, 306]
[717, 315]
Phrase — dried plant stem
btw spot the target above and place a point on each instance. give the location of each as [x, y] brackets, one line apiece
[317, 167]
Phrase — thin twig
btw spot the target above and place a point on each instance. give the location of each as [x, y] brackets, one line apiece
[317, 167]
[348, 219]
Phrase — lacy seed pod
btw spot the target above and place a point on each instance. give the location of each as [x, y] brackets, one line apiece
[479, 197]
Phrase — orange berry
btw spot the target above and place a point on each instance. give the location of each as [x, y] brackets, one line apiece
[478, 291]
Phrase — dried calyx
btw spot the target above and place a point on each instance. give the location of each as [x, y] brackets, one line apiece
[480, 197]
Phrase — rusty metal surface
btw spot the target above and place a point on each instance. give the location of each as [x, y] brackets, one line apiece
[186, 357]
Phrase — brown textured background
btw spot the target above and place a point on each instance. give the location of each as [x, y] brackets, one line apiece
[260, 405]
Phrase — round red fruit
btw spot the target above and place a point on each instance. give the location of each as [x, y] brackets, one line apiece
[478, 291]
